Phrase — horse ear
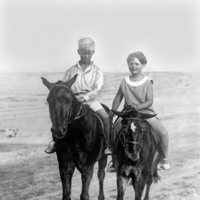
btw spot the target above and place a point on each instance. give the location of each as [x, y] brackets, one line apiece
[47, 83]
[120, 114]
[146, 116]
[71, 81]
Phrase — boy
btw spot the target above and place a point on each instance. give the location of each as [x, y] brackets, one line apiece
[87, 86]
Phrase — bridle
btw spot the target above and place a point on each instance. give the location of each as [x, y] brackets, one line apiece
[125, 141]
[81, 111]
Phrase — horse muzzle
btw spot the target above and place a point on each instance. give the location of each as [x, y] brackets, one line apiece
[59, 132]
[133, 156]
[130, 170]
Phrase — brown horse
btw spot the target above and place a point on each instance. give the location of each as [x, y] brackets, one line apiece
[135, 153]
[79, 139]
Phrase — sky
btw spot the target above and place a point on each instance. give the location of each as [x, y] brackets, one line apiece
[42, 35]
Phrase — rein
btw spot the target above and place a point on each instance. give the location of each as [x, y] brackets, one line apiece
[119, 135]
[81, 112]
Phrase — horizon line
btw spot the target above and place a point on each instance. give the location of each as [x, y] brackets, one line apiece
[114, 72]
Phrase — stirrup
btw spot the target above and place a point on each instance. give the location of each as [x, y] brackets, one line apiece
[110, 167]
[107, 151]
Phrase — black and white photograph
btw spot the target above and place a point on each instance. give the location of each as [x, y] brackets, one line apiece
[99, 99]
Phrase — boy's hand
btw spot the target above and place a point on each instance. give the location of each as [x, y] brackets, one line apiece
[81, 98]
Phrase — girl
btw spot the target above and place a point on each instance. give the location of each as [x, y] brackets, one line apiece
[137, 91]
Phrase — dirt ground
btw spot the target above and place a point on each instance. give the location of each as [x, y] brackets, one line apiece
[30, 174]
[27, 173]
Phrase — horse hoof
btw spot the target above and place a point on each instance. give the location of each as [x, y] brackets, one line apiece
[101, 198]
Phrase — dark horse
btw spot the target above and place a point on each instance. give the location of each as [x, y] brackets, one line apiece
[78, 135]
[135, 153]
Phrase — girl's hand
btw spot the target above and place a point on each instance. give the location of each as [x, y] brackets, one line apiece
[135, 107]
[111, 115]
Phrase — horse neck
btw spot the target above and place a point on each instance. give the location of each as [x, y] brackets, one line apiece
[85, 131]
[76, 107]
[149, 145]
[80, 112]
[148, 137]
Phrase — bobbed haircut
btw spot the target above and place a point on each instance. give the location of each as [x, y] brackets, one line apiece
[139, 55]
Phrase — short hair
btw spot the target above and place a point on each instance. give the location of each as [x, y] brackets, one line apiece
[139, 55]
[86, 43]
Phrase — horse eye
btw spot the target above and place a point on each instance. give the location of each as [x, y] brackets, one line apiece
[68, 100]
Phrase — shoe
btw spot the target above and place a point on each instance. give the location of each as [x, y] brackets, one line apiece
[110, 167]
[107, 151]
[166, 164]
[159, 166]
[50, 148]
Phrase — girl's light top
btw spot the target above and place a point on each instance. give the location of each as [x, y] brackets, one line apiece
[88, 83]
[135, 92]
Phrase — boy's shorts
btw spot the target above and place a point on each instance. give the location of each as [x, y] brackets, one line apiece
[95, 105]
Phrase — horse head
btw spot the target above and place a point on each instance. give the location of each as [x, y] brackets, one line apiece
[63, 105]
[132, 131]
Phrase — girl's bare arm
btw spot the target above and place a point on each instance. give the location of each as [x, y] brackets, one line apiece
[117, 100]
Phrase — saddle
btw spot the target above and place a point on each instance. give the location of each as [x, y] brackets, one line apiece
[98, 117]
[100, 121]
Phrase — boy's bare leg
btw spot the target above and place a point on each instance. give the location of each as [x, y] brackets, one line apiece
[106, 120]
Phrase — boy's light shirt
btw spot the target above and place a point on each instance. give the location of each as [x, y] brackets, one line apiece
[88, 83]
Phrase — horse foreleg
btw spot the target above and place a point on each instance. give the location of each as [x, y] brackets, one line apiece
[66, 173]
[139, 186]
[149, 182]
[86, 176]
[66, 169]
[101, 176]
[121, 186]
